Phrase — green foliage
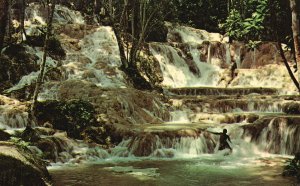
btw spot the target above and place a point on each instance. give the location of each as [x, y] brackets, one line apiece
[72, 116]
[252, 27]
[293, 167]
[253, 44]
[234, 25]
[19, 143]
[204, 14]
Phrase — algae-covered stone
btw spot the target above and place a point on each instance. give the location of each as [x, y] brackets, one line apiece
[30, 135]
[20, 167]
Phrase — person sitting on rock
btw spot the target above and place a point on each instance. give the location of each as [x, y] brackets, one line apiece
[223, 140]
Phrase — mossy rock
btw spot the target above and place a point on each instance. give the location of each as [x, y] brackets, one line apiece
[71, 116]
[20, 167]
[251, 118]
[15, 62]
[30, 135]
[4, 136]
[55, 50]
[48, 147]
[95, 134]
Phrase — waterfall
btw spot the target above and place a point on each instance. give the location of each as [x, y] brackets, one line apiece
[228, 55]
[179, 116]
[209, 54]
[13, 114]
[280, 136]
[238, 57]
[98, 60]
[177, 73]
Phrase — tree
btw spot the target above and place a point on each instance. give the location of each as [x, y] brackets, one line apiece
[3, 20]
[295, 29]
[132, 21]
[51, 8]
[246, 20]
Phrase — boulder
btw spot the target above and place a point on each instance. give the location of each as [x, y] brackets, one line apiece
[20, 167]
[4, 136]
[291, 108]
[71, 116]
[30, 135]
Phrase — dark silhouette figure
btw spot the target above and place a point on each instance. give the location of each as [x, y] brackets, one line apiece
[223, 140]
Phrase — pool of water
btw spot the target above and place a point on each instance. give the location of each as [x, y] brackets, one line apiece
[205, 170]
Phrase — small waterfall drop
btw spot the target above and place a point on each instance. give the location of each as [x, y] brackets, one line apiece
[228, 55]
[238, 57]
[209, 54]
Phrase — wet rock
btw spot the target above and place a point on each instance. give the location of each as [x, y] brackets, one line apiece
[291, 108]
[252, 118]
[145, 145]
[30, 135]
[4, 136]
[15, 62]
[52, 147]
[158, 34]
[49, 149]
[95, 134]
[256, 128]
[20, 167]
[264, 54]
[46, 131]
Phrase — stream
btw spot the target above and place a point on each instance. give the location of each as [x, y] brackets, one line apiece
[205, 170]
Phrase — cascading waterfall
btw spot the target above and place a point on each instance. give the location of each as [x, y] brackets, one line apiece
[175, 70]
[177, 73]
[98, 60]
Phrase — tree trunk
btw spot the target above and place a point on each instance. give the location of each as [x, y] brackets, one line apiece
[3, 20]
[42, 68]
[295, 29]
[121, 47]
[22, 19]
[288, 66]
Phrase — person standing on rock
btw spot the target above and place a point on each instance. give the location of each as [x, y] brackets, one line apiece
[223, 140]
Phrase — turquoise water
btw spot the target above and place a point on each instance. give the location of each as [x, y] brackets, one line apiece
[206, 170]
